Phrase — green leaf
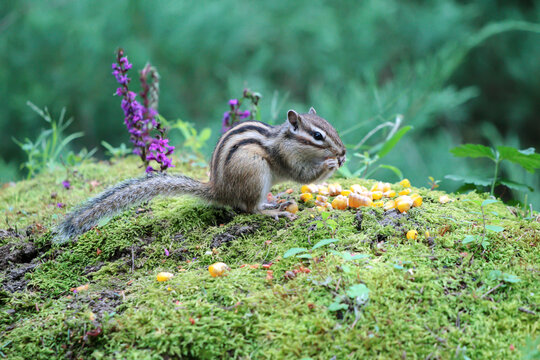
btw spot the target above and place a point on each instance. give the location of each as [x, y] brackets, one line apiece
[324, 243]
[527, 158]
[389, 145]
[304, 256]
[489, 201]
[325, 215]
[510, 278]
[293, 251]
[394, 169]
[344, 170]
[515, 185]
[469, 239]
[335, 306]
[358, 290]
[494, 228]
[473, 151]
[469, 180]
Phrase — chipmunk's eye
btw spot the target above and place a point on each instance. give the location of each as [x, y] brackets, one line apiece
[317, 135]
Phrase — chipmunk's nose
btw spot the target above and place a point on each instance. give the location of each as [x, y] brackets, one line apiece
[341, 159]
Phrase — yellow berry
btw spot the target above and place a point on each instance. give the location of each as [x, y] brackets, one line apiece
[405, 183]
[339, 203]
[389, 193]
[164, 276]
[386, 187]
[334, 189]
[322, 199]
[358, 188]
[356, 200]
[389, 205]
[345, 192]
[311, 188]
[323, 190]
[376, 195]
[292, 208]
[417, 200]
[444, 199]
[404, 203]
[378, 186]
[305, 197]
[405, 192]
[218, 269]
[412, 234]
[427, 233]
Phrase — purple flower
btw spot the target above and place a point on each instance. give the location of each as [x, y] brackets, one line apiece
[166, 252]
[233, 102]
[141, 119]
[244, 114]
[66, 184]
[60, 205]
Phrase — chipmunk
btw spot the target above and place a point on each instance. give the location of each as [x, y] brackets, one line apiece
[247, 160]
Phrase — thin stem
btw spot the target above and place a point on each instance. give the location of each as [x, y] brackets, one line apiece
[497, 161]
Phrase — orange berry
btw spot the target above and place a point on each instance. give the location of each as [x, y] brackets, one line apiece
[218, 269]
[339, 203]
[305, 197]
[357, 200]
[334, 189]
[358, 188]
[345, 192]
[323, 190]
[322, 199]
[386, 187]
[292, 208]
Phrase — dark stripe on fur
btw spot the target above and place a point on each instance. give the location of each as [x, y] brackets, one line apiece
[304, 141]
[241, 143]
[124, 195]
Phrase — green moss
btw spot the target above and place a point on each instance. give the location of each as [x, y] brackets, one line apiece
[428, 297]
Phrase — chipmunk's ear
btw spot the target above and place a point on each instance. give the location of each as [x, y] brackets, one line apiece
[312, 111]
[294, 119]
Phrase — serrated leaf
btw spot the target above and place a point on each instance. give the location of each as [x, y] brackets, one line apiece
[469, 239]
[473, 151]
[389, 145]
[304, 256]
[335, 306]
[323, 243]
[469, 180]
[527, 158]
[358, 290]
[494, 228]
[515, 185]
[489, 201]
[293, 251]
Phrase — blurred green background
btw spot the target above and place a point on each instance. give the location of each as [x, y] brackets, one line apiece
[359, 63]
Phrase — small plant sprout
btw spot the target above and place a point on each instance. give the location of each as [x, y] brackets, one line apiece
[483, 239]
[304, 253]
[527, 159]
[433, 184]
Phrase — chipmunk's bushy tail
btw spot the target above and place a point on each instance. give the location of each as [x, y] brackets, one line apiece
[125, 195]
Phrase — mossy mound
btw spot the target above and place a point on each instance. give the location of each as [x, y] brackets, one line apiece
[370, 294]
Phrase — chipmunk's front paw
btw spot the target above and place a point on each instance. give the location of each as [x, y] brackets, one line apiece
[331, 164]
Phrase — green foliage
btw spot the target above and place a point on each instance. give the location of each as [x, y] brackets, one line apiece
[376, 152]
[299, 252]
[193, 141]
[483, 239]
[527, 159]
[51, 146]
[116, 152]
